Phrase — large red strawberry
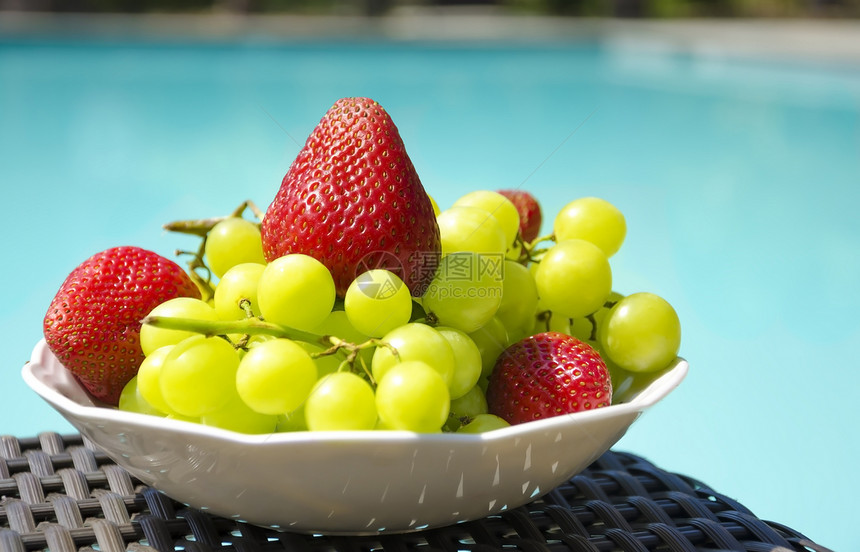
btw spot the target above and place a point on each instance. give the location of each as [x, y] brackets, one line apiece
[547, 374]
[353, 200]
[529, 211]
[93, 323]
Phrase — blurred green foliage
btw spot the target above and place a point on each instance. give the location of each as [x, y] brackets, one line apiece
[575, 8]
[123, 6]
[691, 8]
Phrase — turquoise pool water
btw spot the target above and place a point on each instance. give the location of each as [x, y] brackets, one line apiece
[739, 179]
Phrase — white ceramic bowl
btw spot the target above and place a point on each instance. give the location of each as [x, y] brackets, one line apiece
[344, 482]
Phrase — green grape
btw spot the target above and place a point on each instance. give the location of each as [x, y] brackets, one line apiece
[240, 282]
[325, 364]
[253, 341]
[415, 341]
[641, 333]
[152, 338]
[130, 400]
[582, 329]
[623, 381]
[471, 229]
[377, 301]
[466, 290]
[585, 329]
[560, 324]
[594, 220]
[276, 376]
[627, 385]
[502, 209]
[337, 324]
[292, 421]
[468, 406]
[149, 378]
[574, 278]
[237, 416]
[546, 321]
[296, 290]
[533, 267]
[413, 397]
[491, 339]
[483, 423]
[519, 301]
[467, 359]
[434, 204]
[181, 418]
[341, 401]
[382, 426]
[514, 252]
[198, 375]
[233, 241]
[610, 302]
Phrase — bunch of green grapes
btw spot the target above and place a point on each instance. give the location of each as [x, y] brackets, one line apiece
[274, 349]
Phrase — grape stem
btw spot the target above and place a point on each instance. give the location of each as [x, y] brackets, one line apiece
[204, 283]
[245, 305]
[548, 237]
[256, 326]
[212, 328]
[593, 320]
[593, 335]
[530, 252]
[352, 350]
[544, 316]
[201, 228]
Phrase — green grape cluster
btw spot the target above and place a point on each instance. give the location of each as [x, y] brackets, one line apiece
[273, 349]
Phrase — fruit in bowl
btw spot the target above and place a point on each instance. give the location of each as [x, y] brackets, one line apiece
[356, 311]
[93, 322]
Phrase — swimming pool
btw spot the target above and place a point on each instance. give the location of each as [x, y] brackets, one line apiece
[738, 176]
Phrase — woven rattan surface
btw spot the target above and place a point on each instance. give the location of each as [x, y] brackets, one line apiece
[60, 493]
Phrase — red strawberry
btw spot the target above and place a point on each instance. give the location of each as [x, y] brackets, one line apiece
[547, 374]
[529, 210]
[93, 323]
[353, 200]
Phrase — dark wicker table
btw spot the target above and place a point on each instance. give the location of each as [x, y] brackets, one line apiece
[62, 494]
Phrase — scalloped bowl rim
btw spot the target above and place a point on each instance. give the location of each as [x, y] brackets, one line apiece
[310, 489]
[655, 392]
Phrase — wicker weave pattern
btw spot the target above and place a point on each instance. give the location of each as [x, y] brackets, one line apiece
[60, 493]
